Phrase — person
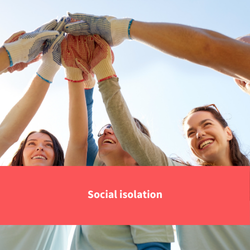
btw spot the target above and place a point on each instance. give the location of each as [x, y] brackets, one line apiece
[209, 138]
[110, 153]
[11, 54]
[201, 46]
[41, 148]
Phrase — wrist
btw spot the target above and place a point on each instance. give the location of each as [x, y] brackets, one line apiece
[73, 74]
[15, 53]
[121, 29]
[5, 60]
[47, 71]
[104, 70]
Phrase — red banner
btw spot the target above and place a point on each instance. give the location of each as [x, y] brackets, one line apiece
[125, 195]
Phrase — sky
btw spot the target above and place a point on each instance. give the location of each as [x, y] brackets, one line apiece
[159, 89]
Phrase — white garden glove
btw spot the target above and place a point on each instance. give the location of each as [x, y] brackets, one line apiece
[51, 60]
[113, 30]
[29, 45]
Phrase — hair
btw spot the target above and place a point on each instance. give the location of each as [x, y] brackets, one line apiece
[142, 127]
[237, 158]
[17, 160]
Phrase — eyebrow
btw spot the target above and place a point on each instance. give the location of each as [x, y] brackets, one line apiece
[200, 123]
[36, 140]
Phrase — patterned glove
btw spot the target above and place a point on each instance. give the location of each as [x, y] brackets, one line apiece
[19, 66]
[244, 85]
[51, 60]
[102, 60]
[113, 30]
[77, 53]
[29, 45]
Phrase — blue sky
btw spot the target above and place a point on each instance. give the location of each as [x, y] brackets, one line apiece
[159, 89]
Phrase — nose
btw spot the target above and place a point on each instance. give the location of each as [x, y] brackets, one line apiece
[108, 131]
[200, 133]
[39, 148]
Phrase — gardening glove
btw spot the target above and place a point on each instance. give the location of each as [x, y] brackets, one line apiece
[113, 30]
[102, 60]
[29, 45]
[51, 59]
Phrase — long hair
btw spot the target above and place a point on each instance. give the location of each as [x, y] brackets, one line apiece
[236, 156]
[17, 160]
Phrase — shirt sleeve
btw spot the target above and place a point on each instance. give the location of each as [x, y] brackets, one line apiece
[92, 147]
[154, 246]
[132, 140]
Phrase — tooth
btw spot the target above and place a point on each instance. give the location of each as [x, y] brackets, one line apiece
[205, 143]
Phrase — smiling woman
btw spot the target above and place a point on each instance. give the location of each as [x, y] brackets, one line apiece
[39, 148]
[210, 138]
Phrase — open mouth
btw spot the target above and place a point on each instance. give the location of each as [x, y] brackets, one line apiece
[39, 157]
[108, 141]
[205, 144]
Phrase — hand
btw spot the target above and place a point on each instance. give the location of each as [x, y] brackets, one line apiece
[77, 53]
[244, 85]
[29, 45]
[113, 30]
[103, 58]
[51, 60]
[19, 66]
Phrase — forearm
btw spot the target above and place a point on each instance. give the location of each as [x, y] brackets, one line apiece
[132, 140]
[21, 114]
[200, 46]
[92, 147]
[78, 126]
[4, 59]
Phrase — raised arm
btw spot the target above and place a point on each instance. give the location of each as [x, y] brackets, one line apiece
[22, 113]
[76, 153]
[197, 45]
[4, 59]
[132, 140]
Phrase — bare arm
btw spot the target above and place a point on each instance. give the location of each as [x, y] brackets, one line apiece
[200, 46]
[78, 125]
[21, 114]
[4, 59]
[197, 45]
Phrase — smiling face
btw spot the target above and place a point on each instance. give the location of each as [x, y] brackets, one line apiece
[38, 150]
[207, 139]
[110, 148]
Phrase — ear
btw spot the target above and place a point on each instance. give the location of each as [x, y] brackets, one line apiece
[229, 133]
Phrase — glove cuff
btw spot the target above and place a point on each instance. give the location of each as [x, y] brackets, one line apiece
[47, 71]
[73, 74]
[104, 70]
[121, 30]
[15, 53]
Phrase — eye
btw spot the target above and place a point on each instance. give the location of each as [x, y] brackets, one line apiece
[190, 134]
[49, 145]
[31, 143]
[207, 123]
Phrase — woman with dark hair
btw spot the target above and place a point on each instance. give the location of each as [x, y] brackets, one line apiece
[17, 160]
[198, 125]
